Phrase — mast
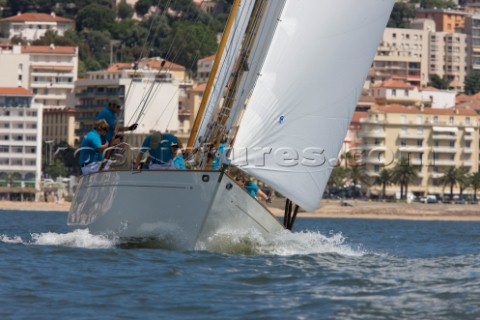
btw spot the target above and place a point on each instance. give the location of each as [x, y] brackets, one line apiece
[208, 89]
[219, 129]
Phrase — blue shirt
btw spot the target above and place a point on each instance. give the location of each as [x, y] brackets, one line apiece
[216, 161]
[179, 163]
[163, 153]
[111, 118]
[89, 148]
[252, 188]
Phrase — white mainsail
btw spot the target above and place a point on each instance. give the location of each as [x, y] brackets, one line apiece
[303, 101]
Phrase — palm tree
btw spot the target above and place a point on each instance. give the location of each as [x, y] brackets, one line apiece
[337, 178]
[403, 174]
[475, 183]
[358, 174]
[463, 179]
[347, 157]
[384, 179]
[450, 178]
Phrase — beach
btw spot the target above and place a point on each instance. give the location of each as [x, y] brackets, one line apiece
[356, 209]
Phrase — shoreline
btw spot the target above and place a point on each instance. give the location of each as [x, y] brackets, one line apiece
[357, 209]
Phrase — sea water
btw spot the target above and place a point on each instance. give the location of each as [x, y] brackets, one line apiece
[326, 269]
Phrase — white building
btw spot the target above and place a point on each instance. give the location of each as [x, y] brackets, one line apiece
[438, 99]
[20, 143]
[150, 97]
[48, 71]
[32, 26]
[391, 92]
[204, 68]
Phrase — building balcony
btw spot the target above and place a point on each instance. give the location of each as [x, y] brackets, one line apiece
[372, 173]
[468, 163]
[411, 149]
[468, 150]
[412, 135]
[373, 147]
[444, 150]
[444, 137]
[373, 134]
[468, 137]
[375, 160]
[447, 163]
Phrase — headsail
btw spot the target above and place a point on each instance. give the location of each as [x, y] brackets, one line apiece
[302, 104]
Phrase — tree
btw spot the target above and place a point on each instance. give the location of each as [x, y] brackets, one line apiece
[190, 41]
[124, 10]
[472, 83]
[347, 158]
[57, 169]
[337, 179]
[95, 17]
[475, 183]
[462, 178]
[384, 179]
[439, 83]
[438, 4]
[403, 174]
[450, 178]
[401, 15]
[142, 7]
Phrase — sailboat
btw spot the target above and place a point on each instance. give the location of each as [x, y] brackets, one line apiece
[283, 89]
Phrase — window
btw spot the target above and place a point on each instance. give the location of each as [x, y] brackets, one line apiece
[394, 92]
[468, 144]
[452, 144]
[450, 120]
[435, 119]
[467, 120]
[419, 143]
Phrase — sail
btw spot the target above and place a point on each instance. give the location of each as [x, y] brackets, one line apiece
[300, 109]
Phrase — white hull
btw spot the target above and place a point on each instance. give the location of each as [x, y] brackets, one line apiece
[179, 208]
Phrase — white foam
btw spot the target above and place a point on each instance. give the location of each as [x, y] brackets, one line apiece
[80, 238]
[7, 239]
[284, 244]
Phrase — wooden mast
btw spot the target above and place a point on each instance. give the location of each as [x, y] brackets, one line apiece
[218, 129]
[208, 89]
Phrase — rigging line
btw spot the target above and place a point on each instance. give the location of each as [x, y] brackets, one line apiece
[145, 106]
[216, 131]
[194, 60]
[149, 48]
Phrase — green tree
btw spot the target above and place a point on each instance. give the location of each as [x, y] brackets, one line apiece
[142, 7]
[95, 17]
[346, 157]
[463, 179]
[439, 4]
[403, 174]
[190, 41]
[337, 178]
[383, 179]
[472, 83]
[124, 10]
[57, 169]
[401, 15]
[450, 178]
[475, 183]
[439, 83]
[358, 175]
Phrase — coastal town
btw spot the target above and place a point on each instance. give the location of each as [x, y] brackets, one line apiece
[414, 135]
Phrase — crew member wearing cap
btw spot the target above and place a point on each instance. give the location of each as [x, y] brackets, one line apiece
[159, 148]
[178, 162]
[110, 114]
[91, 148]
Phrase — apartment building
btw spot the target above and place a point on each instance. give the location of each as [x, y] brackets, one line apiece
[33, 26]
[432, 140]
[414, 55]
[20, 144]
[446, 20]
[59, 125]
[204, 68]
[150, 97]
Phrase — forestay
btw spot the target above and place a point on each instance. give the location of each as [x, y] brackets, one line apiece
[300, 109]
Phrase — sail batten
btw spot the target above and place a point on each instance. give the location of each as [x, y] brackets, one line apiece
[300, 108]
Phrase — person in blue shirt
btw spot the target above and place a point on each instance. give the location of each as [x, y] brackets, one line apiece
[110, 115]
[177, 161]
[159, 148]
[252, 188]
[91, 148]
[218, 157]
